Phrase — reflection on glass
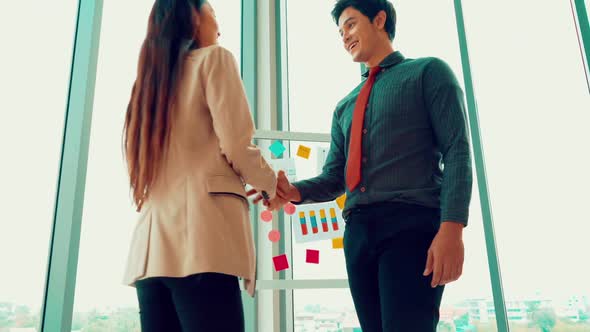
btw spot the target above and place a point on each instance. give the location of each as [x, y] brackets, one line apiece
[102, 302]
[37, 39]
[534, 111]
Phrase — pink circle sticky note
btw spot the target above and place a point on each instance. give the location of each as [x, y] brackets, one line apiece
[266, 216]
[274, 236]
[289, 208]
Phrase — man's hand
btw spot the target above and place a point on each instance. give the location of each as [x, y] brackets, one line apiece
[286, 193]
[446, 254]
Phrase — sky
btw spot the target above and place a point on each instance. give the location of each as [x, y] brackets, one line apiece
[532, 101]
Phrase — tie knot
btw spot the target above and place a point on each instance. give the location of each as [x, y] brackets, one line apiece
[374, 71]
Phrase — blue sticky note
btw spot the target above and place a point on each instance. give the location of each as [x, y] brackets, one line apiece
[277, 148]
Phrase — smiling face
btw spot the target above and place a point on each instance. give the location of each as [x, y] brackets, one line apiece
[361, 37]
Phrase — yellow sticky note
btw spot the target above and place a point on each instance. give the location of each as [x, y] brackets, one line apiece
[338, 243]
[303, 151]
[340, 201]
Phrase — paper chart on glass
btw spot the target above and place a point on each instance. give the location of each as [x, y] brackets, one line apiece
[316, 222]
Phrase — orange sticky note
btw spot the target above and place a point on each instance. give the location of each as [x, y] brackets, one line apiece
[303, 151]
[338, 243]
[340, 201]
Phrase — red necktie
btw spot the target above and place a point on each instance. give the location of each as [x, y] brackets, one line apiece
[353, 170]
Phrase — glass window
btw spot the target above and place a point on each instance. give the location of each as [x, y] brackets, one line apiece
[37, 40]
[318, 80]
[534, 110]
[439, 38]
[331, 264]
[109, 216]
[333, 311]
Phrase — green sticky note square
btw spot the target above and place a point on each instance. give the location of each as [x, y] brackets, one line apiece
[277, 148]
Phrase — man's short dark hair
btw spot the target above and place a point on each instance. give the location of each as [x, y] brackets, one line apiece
[369, 8]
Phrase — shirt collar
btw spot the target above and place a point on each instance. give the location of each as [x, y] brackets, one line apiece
[389, 61]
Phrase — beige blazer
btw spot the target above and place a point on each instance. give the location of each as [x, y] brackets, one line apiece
[196, 218]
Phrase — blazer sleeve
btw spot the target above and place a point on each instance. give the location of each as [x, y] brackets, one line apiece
[232, 121]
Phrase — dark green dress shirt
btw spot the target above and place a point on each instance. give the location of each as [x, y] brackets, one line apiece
[415, 145]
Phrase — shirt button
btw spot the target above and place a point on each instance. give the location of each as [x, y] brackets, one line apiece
[365, 131]
[363, 189]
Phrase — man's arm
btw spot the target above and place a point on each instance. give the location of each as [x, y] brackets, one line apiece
[331, 182]
[444, 100]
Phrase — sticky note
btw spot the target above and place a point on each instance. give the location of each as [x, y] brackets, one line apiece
[312, 256]
[338, 243]
[303, 151]
[289, 208]
[280, 262]
[277, 148]
[274, 235]
[340, 201]
[266, 215]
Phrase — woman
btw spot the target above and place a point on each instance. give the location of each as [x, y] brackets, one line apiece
[187, 139]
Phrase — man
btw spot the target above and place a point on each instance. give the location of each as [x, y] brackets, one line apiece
[405, 212]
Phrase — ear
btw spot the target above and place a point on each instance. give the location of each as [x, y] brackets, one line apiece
[379, 20]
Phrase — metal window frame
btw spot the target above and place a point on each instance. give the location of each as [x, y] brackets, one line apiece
[286, 305]
[484, 195]
[58, 300]
[248, 59]
[581, 20]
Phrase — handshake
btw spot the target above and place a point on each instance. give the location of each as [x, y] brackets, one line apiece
[286, 192]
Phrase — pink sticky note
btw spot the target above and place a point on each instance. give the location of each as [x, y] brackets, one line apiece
[266, 216]
[280, 262]
[289, 208]
[274, 235]
[312, 256]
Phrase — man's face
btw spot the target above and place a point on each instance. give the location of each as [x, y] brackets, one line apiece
[358, 34]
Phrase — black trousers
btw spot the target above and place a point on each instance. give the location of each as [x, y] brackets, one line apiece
[386, 247]
[198, 303]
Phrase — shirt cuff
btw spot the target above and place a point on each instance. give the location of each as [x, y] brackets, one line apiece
[303, 191]
[461, 218]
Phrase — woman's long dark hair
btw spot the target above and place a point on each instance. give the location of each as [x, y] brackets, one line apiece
[170, 35]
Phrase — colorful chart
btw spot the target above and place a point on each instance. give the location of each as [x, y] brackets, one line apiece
[316, 222]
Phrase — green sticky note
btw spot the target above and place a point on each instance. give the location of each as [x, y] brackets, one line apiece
[277, 148]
